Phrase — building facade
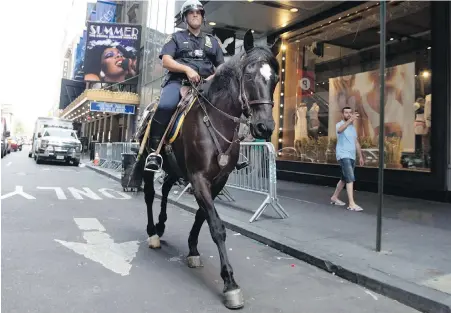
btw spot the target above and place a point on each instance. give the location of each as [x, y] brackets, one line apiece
[329, 60]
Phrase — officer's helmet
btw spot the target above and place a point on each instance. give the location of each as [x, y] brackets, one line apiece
[191, 5]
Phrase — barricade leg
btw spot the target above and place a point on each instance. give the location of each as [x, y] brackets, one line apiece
[261, 209]
[183, 191]
[275, 205]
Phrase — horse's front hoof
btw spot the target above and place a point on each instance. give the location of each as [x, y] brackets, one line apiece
[234, 299]
[154, 242]
[194, 261]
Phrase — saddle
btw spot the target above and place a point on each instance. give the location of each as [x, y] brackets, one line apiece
[188, 98]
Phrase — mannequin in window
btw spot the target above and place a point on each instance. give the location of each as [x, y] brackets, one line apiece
[300, 127]
[313, 121]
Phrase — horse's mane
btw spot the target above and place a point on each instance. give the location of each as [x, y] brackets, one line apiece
[229, 74]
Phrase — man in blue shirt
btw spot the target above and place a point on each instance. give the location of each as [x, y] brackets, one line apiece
[347, 144]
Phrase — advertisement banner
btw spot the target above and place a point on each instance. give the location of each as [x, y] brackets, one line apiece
[90, 12]
[112, 53]
[105, 12]
[79, 62]
[361, 93]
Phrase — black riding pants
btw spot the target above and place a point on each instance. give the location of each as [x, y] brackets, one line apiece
[170, 97]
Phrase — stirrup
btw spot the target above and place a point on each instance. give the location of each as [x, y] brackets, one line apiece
[147, 161]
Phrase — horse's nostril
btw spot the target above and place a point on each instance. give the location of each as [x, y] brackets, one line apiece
[262, 127]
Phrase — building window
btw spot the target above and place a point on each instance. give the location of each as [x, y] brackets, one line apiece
[337, 65]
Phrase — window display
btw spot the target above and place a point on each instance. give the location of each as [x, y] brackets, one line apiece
[323, 76]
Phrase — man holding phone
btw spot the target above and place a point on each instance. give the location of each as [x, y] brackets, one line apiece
[347, 145]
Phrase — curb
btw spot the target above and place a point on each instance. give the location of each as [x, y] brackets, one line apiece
[421, 298]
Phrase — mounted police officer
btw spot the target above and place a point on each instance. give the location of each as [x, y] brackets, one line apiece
[187, 54]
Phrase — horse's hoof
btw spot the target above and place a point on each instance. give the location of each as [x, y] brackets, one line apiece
[194, 261]
[234, 299]
[154, 242]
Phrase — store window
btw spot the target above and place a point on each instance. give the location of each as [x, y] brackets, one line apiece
[336, 64]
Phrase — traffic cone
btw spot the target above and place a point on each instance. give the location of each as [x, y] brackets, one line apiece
[96, 159]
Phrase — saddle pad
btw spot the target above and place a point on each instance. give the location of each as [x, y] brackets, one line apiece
[179, 121]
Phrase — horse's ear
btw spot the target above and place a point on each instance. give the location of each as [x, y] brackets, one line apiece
[248, 41]
[275, 48]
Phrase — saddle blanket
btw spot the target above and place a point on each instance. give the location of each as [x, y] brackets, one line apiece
[177, 125]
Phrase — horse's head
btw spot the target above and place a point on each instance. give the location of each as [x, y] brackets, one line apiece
[259, 79]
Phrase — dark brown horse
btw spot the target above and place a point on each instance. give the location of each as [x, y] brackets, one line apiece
[207, 149]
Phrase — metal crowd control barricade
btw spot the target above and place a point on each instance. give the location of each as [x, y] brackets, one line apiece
[259, 177]
[110, 154]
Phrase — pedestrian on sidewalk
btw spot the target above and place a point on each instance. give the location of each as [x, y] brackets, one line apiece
[347, 144]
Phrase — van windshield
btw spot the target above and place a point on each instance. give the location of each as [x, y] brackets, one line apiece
[63, 133]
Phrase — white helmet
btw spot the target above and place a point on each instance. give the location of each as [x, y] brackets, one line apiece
[191, 5]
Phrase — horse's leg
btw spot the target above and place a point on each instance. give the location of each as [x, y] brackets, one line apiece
[167, 185]
[203, 193]
[149, 195]
[194, 255]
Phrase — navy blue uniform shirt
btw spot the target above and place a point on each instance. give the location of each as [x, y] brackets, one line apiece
[182, 42]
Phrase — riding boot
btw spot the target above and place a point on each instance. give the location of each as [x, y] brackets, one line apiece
[154, 161]
[241, 165]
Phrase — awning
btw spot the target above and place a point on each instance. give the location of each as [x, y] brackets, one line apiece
[264, 17]
[80, 109]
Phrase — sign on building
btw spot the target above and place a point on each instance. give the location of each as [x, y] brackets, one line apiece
[112, 53]
[107, 107]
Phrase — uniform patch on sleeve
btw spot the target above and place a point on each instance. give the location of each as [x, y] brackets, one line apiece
[169, 38]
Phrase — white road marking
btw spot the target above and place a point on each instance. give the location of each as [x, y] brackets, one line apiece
[77, 193]
[19, 191]
[107, 193]
[265, 70]
[58, 190]
[9, 163]
[101, 248]
[89, 224]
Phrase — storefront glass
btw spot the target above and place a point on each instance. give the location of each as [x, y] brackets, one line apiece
[336, 64]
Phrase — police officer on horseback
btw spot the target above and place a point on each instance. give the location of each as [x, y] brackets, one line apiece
[187, 54]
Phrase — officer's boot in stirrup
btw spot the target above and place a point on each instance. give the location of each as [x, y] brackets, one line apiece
[154, 161]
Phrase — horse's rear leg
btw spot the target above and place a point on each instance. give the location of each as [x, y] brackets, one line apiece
[203, 193]
[162, 218]
[149, 195]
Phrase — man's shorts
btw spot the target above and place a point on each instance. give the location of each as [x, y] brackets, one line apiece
[347, 170]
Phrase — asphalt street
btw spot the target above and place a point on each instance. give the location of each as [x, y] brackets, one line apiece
[58, 255]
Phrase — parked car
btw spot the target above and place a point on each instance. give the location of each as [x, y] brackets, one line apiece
[15, 144]
[57, 144]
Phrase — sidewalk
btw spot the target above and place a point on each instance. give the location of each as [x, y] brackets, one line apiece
[413, 268]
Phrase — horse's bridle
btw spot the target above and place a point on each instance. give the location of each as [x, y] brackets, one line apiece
[246, 104]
